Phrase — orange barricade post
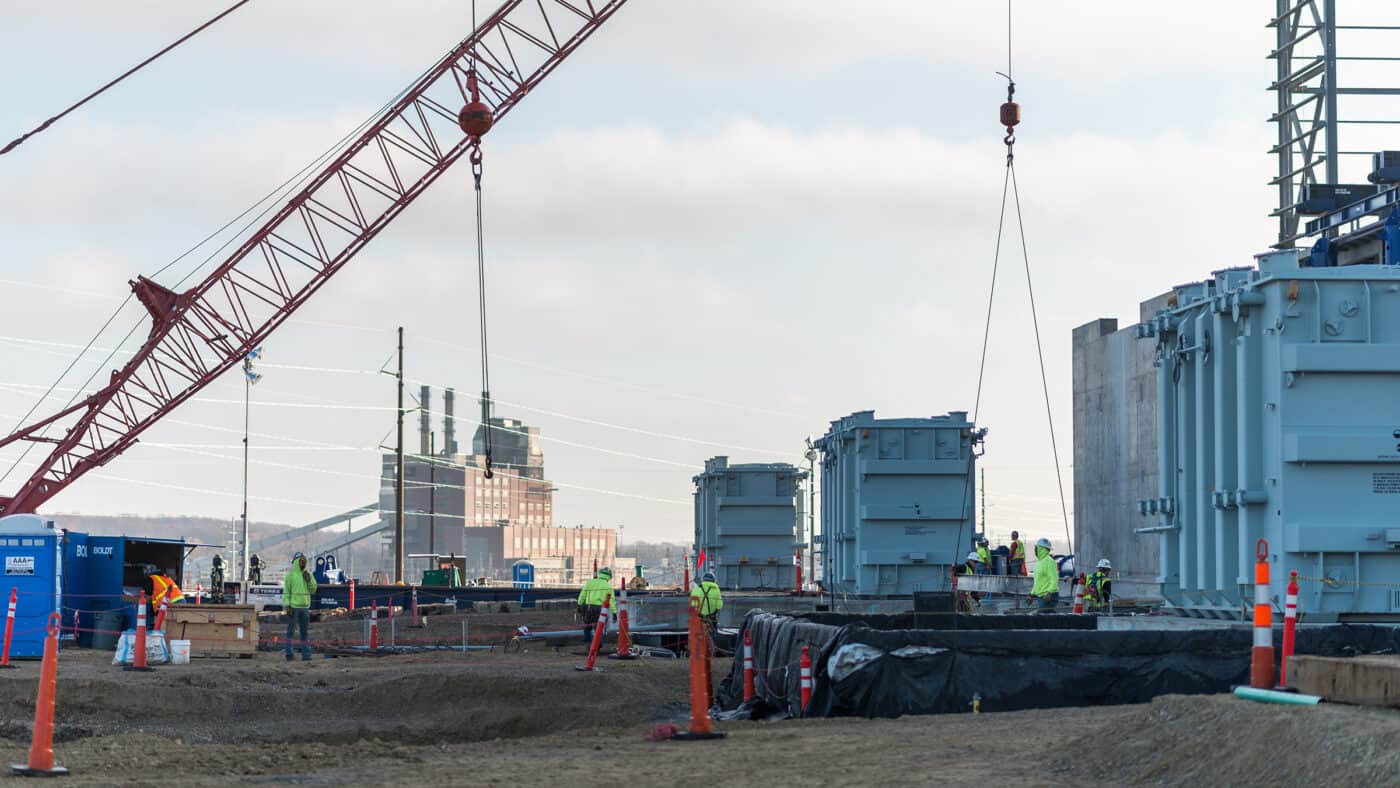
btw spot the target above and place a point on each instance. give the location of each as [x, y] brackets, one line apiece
[1078, 583]
[374, 626]
[806, 677]
[9, 628]
[697, 643]
[198, 592]
[352, 594]
[797, 583]
[1290, 626]
[598, 630]
[748, 666]
[160, 614]
[138, 656]
[624, 637]
[416, 622]
[1261, 657]
[685, 562]
[41, 744]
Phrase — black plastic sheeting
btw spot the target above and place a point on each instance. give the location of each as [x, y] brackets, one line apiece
[918, 620]
[887, 673]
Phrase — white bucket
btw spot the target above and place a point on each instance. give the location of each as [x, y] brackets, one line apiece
[179, 652]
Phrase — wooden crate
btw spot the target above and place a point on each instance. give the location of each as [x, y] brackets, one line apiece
[214, 630]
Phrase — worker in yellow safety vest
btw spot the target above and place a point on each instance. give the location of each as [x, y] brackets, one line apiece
[591, 597]
[710, 599]
[1099, 587]
[984, 555]
[1016, 559]
[1046, 588]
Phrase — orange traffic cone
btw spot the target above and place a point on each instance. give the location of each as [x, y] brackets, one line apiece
[41, 745]
[699, 696]
[624, 637]
[138, 656]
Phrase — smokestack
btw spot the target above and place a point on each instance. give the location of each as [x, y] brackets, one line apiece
[449, 434]
[425, 425]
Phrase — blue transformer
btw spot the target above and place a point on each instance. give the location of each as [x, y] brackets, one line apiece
[897, 502]
[746, 522]
[32, 552]
[1279, 420]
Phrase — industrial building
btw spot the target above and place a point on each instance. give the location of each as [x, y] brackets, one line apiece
[561, 556]
[447, 492]
[1115, 443]
[897, 501]
[746, 522]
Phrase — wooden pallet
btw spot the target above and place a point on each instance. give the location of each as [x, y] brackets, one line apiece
[214, 630]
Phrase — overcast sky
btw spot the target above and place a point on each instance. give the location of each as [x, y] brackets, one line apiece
[719, 225]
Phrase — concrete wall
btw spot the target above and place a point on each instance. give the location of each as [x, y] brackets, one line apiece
[1115, 445]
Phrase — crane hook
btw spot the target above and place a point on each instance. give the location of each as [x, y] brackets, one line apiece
[1010, 116]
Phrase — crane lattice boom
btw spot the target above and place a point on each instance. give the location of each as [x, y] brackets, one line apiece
[199, 333]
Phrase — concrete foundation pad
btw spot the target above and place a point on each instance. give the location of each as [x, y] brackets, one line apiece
[1365, 680]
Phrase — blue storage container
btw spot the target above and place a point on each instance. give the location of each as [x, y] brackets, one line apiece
[105, 569]
[32, 552]
[746, 522]
[897, 502]
[1279, 419]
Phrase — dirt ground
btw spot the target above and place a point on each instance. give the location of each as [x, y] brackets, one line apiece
[529, 718]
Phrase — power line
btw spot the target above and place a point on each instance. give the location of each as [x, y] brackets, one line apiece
[89, 97]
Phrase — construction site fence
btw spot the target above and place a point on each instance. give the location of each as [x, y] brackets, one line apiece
[858, 670]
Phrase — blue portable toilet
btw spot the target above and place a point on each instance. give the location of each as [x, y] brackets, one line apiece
[32, 552]
[522, 574]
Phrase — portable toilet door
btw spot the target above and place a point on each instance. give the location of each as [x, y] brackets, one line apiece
[522, 574]
[32, 553]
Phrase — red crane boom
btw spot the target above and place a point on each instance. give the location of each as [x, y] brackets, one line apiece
[200, 333]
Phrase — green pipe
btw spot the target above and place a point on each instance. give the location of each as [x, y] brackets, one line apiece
[1274, 696]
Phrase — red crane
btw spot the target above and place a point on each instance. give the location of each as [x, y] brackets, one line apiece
[200, 333]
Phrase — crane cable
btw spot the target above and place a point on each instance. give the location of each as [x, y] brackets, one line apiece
[474, 156]
[1010, 117]
[15, 143]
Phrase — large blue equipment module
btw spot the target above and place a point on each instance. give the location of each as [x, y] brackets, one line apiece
[897, 501]
[1279, 419]
[746, 522]
[101, 570]
[32, 553]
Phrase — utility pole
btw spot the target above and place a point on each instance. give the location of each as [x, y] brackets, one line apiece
[398, 475]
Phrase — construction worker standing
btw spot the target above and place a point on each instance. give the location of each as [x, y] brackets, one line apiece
[711, 601]
[1016, 559]
[984, 555]
[967, 600]
[297, 588]
[1046, 589]
[591, 597]
[1099, 587]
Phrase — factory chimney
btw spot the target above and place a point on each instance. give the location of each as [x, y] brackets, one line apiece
[449, 434]
[425, 426]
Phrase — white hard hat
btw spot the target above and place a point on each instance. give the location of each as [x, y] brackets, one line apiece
[1043, 542]
[973, 557]
[1104, 564]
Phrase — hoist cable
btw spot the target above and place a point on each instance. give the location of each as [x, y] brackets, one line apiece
[481, 300]
[15, 143]
[1040, 356]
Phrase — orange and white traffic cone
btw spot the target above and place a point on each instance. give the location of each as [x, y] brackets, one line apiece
[1078, 594]
[138, 656]
[352, 594]
[9, 628]
[41, 742]
[1290, 626]
[624, 637]
[160, 615]
[697, 642]
[374, 626]
[805, 665]
[1261, 657]
[598, 630]
[198, 592]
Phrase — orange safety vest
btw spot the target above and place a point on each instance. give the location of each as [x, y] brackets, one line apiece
[164, 586]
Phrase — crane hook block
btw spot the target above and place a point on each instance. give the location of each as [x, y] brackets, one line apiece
[1010, 115]
[475, 119]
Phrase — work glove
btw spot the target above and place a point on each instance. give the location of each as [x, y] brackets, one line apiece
[306, 577]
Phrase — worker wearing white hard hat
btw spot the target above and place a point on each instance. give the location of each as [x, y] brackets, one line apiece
[1098, 588]
[1046, 589]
